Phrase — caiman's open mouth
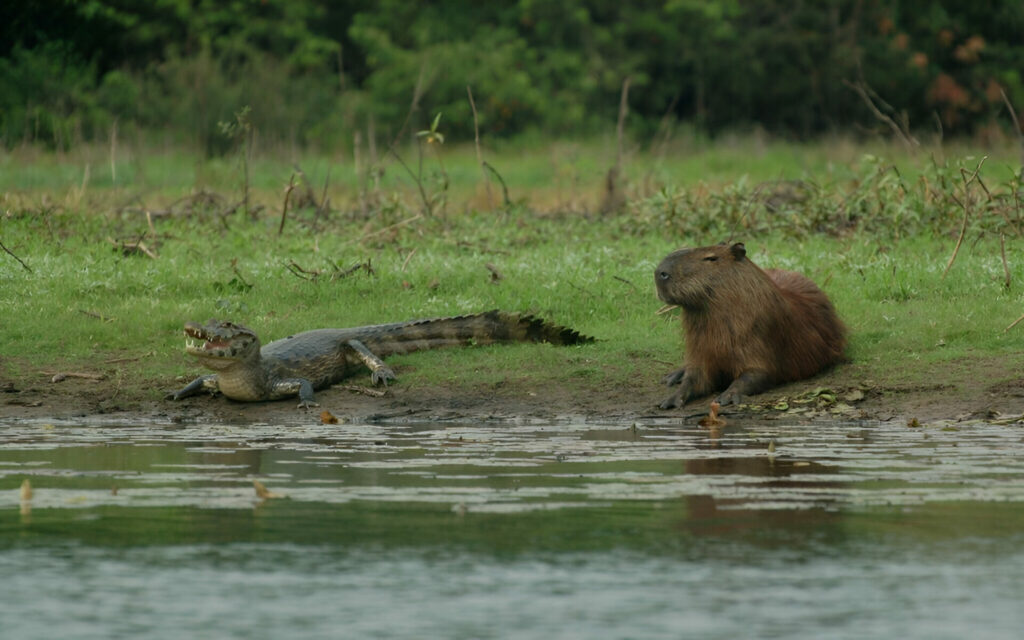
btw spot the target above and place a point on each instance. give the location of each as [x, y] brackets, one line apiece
[217, 339]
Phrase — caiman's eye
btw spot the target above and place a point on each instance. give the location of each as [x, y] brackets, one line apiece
[710, 258]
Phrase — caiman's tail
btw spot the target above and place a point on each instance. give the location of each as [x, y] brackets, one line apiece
[481, 328]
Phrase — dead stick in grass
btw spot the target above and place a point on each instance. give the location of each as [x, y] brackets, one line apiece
[1013, 324]
[323, 206]
[400, 223]
[405, 263]
[366, 391]
[305, 274]
[1006, 267]
[98, 316]
[862, 90]
[476, 142]
[59, 376]
[1020, 132]
[967, 213]
[148, 354]
[20, 261]
[284, 210]
[504, 187]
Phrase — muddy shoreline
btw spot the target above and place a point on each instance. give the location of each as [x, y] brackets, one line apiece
[989, 390]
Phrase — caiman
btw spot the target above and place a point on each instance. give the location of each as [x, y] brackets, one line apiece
[306, 362]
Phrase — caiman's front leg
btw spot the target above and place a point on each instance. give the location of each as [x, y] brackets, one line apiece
[380, 372]
[200, 384]
[293, 386]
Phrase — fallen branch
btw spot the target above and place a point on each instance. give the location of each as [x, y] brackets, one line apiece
[621, 279]
[299, 272]
[98, 316]
[366, 391]
[20, 261]
[134, 359]
[59, 376]
[132, 249]
[400, 223]
[336, 273]
[1013, 324]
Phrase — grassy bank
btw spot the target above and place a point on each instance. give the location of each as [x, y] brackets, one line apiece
[106, 288]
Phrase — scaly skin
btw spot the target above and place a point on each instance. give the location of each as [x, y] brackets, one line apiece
[312, 360]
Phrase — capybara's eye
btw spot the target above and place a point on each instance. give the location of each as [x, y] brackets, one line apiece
[663, 275]
[711, 258]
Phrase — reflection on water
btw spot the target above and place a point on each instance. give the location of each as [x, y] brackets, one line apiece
[458, 530]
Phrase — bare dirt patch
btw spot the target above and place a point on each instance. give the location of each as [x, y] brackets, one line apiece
[980, 388]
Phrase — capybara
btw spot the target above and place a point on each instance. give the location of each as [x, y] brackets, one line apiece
[746, 329]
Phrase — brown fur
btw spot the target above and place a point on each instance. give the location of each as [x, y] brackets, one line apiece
[746, 329]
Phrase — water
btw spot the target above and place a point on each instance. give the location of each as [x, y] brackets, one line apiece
[528, 530]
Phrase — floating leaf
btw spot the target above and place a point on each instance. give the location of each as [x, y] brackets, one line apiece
[263, 493]
[326, 417]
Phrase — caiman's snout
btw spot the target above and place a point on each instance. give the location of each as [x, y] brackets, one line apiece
[218, 340]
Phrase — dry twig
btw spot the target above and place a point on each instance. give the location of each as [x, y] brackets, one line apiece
[476, 142]
[60, 376]
[1006, 267]
[863, 90]
[98, 316]
[1013, 324]
[1016, 127]
[967, 212]
[366, 391]
[20, 261]
[284, 209]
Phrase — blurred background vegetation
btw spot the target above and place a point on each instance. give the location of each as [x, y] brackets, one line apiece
[318, 75]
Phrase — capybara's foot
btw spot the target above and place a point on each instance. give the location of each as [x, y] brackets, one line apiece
[675, 377]
[673, 401]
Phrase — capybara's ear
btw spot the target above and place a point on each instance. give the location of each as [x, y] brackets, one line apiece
[738, 251]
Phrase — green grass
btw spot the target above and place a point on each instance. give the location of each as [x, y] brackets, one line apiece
[590, 272]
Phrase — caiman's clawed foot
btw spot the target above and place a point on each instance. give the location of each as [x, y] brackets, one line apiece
[307, 404]
[382, 376]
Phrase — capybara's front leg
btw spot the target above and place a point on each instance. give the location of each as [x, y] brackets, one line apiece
[749, 383]
[692, 383]
[675, 377]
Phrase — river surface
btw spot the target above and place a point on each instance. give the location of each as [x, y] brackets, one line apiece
[511, 530]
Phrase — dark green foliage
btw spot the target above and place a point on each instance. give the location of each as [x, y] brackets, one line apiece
[317, 72]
